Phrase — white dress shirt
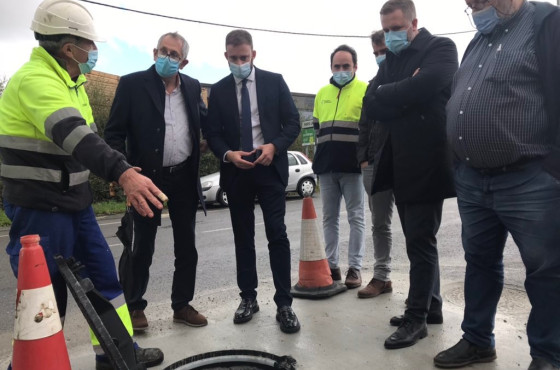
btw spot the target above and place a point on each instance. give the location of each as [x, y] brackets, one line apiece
[258, 139]
[178, 145]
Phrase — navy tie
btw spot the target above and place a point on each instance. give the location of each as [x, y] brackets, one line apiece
[246, 125]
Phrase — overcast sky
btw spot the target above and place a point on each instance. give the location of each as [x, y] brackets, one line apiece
[303, 60]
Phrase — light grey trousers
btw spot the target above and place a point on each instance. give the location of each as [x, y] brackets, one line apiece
[381, 207]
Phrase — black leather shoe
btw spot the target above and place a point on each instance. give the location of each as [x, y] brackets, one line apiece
[288, 320]
[464, 353]
[541, 364]
[432, 318]
[149, 357]
[408, 333]
[245, 311]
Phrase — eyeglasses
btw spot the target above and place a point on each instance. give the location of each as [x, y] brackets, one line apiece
[174, 56]
[468, 12]
[82, 49]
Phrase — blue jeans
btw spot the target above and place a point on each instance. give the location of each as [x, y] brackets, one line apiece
[70, 235]
[526, 204]
[334, 186]
[381, 208]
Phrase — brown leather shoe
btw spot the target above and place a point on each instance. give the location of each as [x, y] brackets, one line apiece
[335, 274]
[353, 278]
[189, 316]
[139, 320]
[375, 288]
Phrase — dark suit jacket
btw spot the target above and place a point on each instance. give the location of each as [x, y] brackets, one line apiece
[136, 125]
[278, 114]
[407, 114]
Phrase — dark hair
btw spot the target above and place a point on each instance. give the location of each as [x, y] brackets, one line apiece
[378, 37]
[406, 6]
[347, 49]
[53, 43]
[239, 37]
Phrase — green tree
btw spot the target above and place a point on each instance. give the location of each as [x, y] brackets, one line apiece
[3, 83]
[100, 100]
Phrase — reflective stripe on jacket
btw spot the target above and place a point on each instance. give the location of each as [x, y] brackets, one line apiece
[335, 117]
[44, 116]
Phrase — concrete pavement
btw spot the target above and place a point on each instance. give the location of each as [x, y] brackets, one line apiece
[341, 332]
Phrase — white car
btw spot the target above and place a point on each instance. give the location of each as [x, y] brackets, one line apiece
[301, 179]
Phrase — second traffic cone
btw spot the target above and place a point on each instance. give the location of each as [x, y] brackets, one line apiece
[315, 279]
[38, 339]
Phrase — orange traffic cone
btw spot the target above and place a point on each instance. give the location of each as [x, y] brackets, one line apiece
[315, 279]
[38, 338]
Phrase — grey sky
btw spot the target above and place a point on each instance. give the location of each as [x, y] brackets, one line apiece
[303, 60]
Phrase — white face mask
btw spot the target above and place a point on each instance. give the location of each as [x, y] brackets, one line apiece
[88, 66]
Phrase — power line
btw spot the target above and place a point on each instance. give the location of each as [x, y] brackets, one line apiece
[246, 28]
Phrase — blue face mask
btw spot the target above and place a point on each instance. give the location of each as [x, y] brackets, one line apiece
[240, 71]
[342, 77]
[88, 66]
[165, 67]
[396, 41]
[380, 58]
[486, 20]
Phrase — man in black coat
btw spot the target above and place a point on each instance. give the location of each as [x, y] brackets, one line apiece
[252, 121]
[155, 119]
[405, 103]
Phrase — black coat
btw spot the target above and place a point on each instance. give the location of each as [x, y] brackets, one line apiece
[279, 119]
[136, 125]
[405, 103]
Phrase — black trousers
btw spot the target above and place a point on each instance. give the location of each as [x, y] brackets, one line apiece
[264, 183]
[180, 187]
[420, 223]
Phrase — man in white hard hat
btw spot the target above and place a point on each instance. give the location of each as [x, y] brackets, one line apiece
[48, 146]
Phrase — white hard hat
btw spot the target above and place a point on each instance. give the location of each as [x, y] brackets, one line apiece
[57, 17]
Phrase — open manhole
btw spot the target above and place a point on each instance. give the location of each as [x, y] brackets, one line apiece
[512, 301]
[236, 359]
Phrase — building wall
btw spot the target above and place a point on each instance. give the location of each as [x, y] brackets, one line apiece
[101, 88]
[106, 84]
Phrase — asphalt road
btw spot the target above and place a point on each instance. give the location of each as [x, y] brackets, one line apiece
[216, 282]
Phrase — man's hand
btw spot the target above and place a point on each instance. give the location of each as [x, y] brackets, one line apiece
[203, 146]
[236, 157]
[267, 154]
[364, 164]
[139, 191]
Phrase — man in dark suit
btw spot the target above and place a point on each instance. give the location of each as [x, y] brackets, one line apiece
[252, 120]
[158, 114]
[405, 104]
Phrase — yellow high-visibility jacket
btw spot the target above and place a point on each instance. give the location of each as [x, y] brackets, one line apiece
[48, 138]
[335, 117]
